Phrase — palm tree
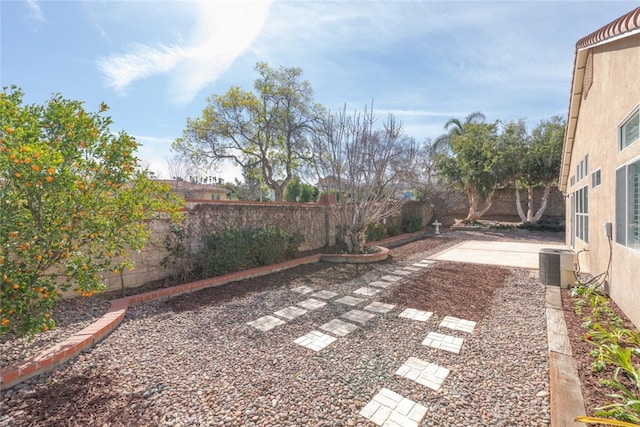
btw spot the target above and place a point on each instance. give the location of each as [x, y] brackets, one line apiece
[454, 126]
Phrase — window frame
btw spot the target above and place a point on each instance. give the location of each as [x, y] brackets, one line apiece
[633, 115]
[582, 213]
[623, 205]
[596, 174]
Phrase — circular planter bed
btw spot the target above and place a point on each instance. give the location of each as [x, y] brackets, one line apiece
[380, 255]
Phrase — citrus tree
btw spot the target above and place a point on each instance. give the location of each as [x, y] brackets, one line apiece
[74, 202]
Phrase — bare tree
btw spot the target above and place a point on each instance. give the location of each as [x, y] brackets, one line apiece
[369, 167]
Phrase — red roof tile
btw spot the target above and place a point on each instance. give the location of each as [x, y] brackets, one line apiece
[624, 24]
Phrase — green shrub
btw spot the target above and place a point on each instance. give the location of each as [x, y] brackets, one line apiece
[376, 232]
[393, 229]
[412, 224]
[543, 225]
[234, 249]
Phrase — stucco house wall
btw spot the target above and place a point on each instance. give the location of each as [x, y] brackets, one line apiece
[605, 92]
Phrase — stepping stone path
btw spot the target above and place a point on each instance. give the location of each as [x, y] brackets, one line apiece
[443, 342]
[366, 291]
[458, 324]
[339, 327]
[358, 316]
[290, 313]
[266, 323]
[303, 289]
[423, 372]
[379, 307]
[349, 300]
[387, 408]
[312, 304]
[325, 294]
[413, 314]
[315, 340]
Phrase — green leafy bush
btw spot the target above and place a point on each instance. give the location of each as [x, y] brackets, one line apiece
[412, 224]
[234, 249]
[543, 225]
[616, 348]
[376, 232]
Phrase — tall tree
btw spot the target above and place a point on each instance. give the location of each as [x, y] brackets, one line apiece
[539, 166]
[472, 166]
[369, 166]
[74, 203]
[268, 129]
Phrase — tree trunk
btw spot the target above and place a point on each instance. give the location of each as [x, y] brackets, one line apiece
[523, 218]
[543, 203]
[529, 203]
[476, 213]
[355, 240]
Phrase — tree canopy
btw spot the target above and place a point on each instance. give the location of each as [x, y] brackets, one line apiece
[268, 129]
[369, 166]
[74, 203]
[472, 165]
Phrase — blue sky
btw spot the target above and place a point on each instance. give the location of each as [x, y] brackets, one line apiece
[155, 62]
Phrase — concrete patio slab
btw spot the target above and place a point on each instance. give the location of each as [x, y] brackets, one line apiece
[508, 254]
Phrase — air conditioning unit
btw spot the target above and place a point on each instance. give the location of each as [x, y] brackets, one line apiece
[557, 267]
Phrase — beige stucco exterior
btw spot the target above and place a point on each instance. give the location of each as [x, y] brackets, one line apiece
[606, 89]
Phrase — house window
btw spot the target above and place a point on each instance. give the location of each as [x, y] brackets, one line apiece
[630, 130]
[628, 205]
[582, 214]
[582, 168]
[573, 180]
[596, 179]
[215, 196]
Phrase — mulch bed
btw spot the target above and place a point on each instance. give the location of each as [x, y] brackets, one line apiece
[595, 395]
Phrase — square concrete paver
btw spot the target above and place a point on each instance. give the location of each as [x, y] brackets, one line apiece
[290, 312]
[411, 268]
[303, 289]
[339, 327]
[401, 272]
[349, 300]
[424, 263]
[312, 304]
[381, 284]
[425, 373]
[443, 342]
[389, 278]
[366, 291]
[458, 324]
[413, 314]
[315, 340]
[324, 294]
[389, 409]
[379, 307]
[266, 323]
[358, 316]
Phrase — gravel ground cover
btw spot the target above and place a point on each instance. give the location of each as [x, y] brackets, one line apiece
[193, 360]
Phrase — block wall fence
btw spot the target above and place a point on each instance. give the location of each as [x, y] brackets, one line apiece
[314, 221]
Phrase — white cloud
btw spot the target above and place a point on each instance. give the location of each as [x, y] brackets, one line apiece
[222, 32]
[35, 11]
